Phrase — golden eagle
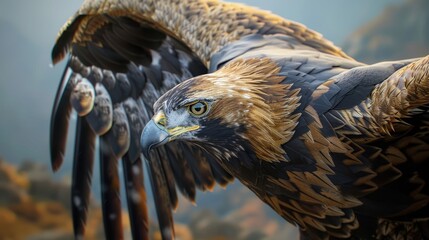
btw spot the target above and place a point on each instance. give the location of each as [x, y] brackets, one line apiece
[334, 146]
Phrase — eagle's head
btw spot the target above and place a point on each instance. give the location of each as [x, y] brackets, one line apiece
[244, 106]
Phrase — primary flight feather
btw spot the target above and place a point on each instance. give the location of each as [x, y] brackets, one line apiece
[224, 91]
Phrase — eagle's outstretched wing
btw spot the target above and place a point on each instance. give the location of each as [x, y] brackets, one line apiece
[112, 80]
[123, 56]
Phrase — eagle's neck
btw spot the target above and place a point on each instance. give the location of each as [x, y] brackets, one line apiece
[205, 26]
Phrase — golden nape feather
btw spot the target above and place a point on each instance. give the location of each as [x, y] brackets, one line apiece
[336, 147]
[250, 92]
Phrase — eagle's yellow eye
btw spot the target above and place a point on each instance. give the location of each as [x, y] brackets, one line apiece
[198, 109]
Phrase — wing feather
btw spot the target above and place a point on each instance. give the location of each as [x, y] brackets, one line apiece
[136, 198]
[161, 196]
[60, 121]
[169, 179]
[110, 192]
[82, 175]
[130, 64]
[199, 166]
[182, 172]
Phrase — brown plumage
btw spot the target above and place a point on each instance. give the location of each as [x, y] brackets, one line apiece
[257, 121]
[334, 146]
[263, 102]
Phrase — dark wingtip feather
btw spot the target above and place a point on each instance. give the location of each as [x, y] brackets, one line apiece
[200, 168]
[60, 121]
[82, 175]
[161, 197]
[183, 175]
[62, 44]
[222, 177]
[169, 177]
[136, 198]
[110, 196]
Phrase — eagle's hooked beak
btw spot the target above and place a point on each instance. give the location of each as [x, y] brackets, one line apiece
[155, 133]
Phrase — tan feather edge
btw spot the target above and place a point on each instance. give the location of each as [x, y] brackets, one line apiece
[205, 26]
[265, 105]
[405, 90]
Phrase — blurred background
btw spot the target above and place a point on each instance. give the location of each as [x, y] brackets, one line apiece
[34, 202]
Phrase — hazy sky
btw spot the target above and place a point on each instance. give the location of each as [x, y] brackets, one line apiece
[27, 33]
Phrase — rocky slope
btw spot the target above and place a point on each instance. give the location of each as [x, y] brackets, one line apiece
[35, 206]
